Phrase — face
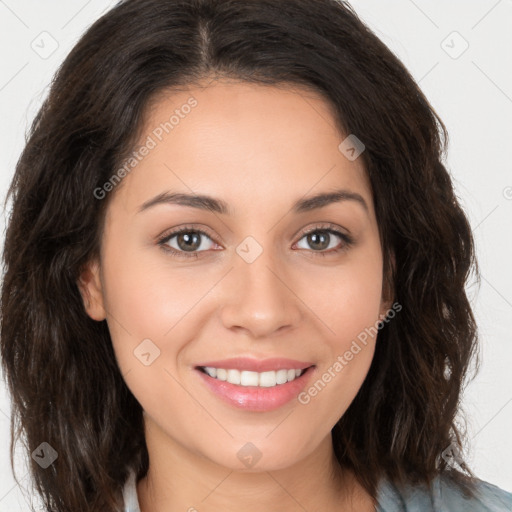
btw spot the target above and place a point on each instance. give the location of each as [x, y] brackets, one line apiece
[268, 276]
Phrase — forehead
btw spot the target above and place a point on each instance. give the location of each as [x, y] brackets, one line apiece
[234, 139]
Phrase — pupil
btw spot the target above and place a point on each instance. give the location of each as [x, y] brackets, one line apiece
[320, 239]
[314, 238]
[187, 237]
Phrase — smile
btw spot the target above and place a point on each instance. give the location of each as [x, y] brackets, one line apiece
[255, 391]
[248, 378]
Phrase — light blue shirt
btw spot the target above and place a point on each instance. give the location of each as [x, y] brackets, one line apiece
[442, 496]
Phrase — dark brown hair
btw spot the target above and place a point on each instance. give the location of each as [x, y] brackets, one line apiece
[59, 364]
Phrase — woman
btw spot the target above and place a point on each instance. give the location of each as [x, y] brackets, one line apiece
[235, 271]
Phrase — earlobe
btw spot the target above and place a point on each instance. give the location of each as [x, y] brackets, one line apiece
[91, 289]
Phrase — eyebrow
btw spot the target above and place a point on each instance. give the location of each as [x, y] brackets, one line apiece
[204, 202]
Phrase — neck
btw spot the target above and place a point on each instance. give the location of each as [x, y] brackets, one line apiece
[179, 479]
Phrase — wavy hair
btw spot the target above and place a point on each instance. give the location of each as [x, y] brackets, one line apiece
[59, 364]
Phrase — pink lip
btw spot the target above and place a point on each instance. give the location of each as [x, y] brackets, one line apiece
[255, 398]
[257, 365]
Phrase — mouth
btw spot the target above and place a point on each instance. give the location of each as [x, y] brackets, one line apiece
[255, 391]
[246, 378]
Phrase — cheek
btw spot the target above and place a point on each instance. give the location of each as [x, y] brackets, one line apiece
[346, 300]
[146, 294]
[149, 299]
[142, 302]
[347, 353]
[147, 311]
[349, 305]
[355, 308]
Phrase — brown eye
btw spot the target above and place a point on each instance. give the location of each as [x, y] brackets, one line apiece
[187, 242]
[319, 240]
[326, 241]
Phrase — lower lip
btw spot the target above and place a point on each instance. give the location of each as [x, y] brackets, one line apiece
[255, 398]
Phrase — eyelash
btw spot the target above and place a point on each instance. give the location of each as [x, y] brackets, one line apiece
[348, 241]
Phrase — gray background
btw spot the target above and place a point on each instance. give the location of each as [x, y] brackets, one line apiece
[470, 88]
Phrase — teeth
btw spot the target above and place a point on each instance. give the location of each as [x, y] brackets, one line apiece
[233, 376]
[247, 378]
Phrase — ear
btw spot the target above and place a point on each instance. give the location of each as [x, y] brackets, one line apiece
[387, 286]
[91, 289]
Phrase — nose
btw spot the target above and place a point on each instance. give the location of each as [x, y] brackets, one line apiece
[258, 297]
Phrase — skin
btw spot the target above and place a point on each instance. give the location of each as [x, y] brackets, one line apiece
[259, 149]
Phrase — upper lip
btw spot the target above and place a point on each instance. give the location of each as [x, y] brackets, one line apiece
[257, 365]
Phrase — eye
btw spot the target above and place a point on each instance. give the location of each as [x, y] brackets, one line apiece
[188, 242]
[321, 239]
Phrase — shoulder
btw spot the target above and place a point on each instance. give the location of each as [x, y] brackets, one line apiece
[443, 495]
[131, 503]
